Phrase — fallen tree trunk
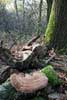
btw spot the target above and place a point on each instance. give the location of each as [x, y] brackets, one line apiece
[27, 54]
[23, 59]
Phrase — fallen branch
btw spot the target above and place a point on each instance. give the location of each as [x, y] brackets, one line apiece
[56, 64]
[33, 40]
[47, 61]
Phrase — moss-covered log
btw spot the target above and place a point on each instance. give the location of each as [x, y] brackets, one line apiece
[56, 32]
[37, 81]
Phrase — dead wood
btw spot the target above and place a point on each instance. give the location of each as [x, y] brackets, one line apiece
[50, 58]
[4, 74]
[22, 60]
[29, 56]
[30, 42]
[59, 66]
[33, 40]
[29, 83]
[56, 64]
[6, 57]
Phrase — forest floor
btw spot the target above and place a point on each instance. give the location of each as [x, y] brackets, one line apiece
[44, 58]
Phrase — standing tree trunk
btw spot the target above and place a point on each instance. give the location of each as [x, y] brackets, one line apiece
[56, 32]
[16, 8]
[40, 15]
[49, 5]
[23, 16]
[17, 15]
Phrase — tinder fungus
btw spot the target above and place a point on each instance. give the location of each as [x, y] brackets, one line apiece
[29, 83]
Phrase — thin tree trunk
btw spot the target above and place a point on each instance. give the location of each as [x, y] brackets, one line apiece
[40, 15]
[23, 15]
[16, 8]
[17, 15]
[18, 19]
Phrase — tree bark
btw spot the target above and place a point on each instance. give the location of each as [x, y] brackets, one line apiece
[16, 8]
[56, 32]
[23, 15]
[40, 15]
[49, 5]
[17, 15]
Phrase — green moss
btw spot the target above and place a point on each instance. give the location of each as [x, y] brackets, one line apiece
[52, 75]
[50, 26]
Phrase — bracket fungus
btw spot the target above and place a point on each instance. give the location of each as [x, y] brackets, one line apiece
[29, 83]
